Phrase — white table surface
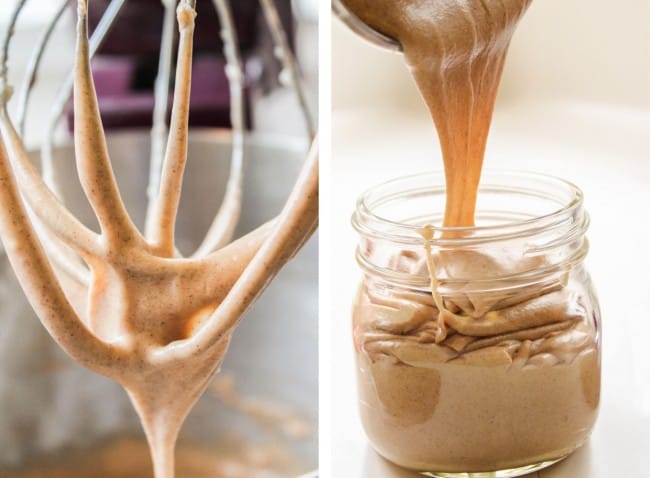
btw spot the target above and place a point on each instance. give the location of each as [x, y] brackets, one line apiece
[606, 151]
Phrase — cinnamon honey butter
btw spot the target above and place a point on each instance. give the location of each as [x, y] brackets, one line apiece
[478, 351]
[476, 326]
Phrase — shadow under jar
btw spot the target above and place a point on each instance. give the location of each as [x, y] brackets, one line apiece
[478, 349]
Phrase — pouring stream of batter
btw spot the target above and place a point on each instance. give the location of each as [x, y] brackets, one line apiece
[456, 50]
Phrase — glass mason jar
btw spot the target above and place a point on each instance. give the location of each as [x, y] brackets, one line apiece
[478, 349]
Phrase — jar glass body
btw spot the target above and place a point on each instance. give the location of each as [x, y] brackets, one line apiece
[478, 349]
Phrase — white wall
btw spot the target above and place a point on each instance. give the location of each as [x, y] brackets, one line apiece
[594, 50]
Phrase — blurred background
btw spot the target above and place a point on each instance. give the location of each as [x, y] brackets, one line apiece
[126, 64]
[574, 102]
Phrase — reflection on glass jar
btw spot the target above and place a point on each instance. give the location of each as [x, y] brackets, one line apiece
[478, 349]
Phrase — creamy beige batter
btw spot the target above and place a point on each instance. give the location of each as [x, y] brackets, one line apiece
[520, 366]
[440, 372]
[156, 323]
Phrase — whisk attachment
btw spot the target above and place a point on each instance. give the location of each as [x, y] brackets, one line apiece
[43, 239]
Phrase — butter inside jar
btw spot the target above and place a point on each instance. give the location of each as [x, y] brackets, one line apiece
[491, 362]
